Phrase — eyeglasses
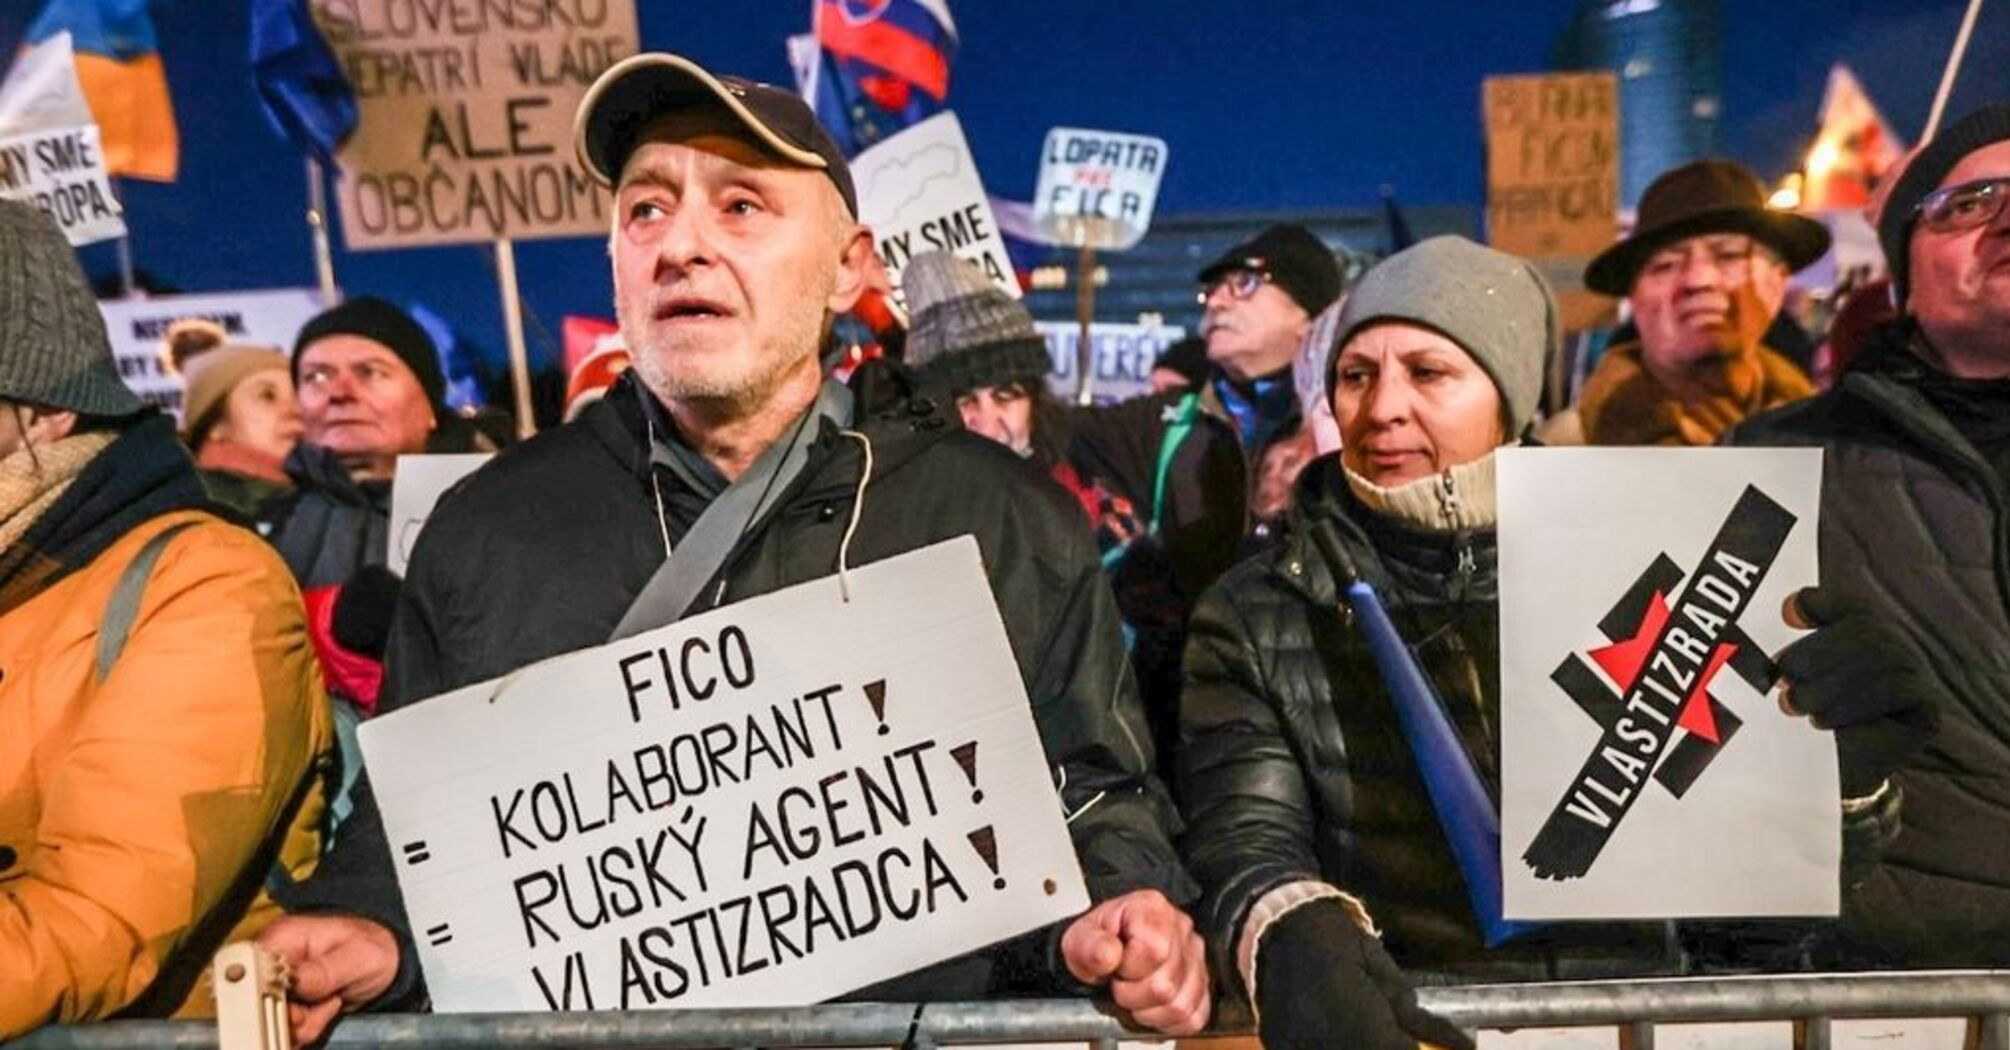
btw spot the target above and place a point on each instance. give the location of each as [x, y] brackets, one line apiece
[1241, 284]
[1964, 207]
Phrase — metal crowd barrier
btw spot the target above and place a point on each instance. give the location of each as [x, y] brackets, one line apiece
[1811, 1001]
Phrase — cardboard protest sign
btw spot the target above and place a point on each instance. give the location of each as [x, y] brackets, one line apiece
[464, 129]
[1097, 188]
[919, 190]
[1122, 356]
[50, 153]
[137, 326]
[765, 805]
[1553, 178]
[416, 489]
[1646, 771]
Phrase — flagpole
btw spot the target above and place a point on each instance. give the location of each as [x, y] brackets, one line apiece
[519, 357]
[317, 225]
[1953, 66]
[124, 246]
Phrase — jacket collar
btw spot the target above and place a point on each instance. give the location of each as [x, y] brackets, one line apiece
[1886, 380]
[888, 408]
[1394, 556]
[315, 467]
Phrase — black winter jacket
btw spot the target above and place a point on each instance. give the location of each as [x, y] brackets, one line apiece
[330, 525]
[1205, 527]
[1293, 765]
[541, 552]
[1913, 521]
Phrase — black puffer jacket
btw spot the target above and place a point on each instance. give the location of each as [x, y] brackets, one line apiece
[330, 525]
[1293, 765]
[1916, 523]
[541, 552]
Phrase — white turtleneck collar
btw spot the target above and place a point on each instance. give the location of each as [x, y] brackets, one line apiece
[1459, 497]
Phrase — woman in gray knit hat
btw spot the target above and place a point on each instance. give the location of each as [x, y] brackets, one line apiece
[1309, 822]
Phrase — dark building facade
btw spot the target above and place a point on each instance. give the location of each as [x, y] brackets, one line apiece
[1669, 57]
[1157, 276]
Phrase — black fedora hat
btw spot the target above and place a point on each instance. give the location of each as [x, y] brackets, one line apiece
[1708, 196]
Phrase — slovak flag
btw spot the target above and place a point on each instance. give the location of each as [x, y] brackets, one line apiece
[1853, 150]
[884, 65]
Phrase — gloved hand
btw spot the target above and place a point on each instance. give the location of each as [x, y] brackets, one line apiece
[1323, 981]
[348, 626]
[1858, 676]
[362, 621]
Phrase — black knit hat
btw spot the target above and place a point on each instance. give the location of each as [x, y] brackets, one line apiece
[967, 333]
[1296, 260]
[381, 322]
[1984, 127]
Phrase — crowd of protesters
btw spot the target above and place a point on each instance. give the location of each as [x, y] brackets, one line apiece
[190, 629]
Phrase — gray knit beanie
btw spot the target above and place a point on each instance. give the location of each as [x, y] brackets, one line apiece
[53, 349]
[967, 332]
[1496, 307]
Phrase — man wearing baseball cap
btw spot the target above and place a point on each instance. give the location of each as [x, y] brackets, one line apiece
[1197, 457]
[734, 242]
[1705, 272]
[1912, 618]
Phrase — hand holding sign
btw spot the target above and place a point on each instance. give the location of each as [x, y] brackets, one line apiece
[1858, 676]
[1145, 948]
[339, 963]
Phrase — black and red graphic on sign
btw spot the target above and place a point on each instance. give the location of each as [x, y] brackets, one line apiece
[1661, 658]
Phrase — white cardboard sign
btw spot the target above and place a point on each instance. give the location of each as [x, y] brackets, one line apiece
[769, 804]
[1122, 356]
[1647, 771]
[50, 155]
[136, 326]
[1098, 187]
[416, 489]
[919, 190]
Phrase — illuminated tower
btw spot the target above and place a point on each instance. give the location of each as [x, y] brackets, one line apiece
[1668, 56]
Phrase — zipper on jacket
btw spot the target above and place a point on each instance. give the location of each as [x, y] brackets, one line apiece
[1454, 509]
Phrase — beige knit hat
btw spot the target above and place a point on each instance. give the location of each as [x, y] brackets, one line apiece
[213, 374]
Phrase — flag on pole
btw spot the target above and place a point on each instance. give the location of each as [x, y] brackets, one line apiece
[300, 84]
[884, 65]
[1853, 150]
[119, 65]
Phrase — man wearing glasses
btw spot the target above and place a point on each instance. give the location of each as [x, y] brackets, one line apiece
[1705, 272]
[1908, 658]
[1193, 459]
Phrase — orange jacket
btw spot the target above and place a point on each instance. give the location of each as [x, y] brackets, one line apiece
[139, 817]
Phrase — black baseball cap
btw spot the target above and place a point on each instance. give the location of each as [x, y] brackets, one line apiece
[1294, 257]
[640, 88]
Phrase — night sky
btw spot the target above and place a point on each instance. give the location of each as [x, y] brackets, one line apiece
[1265, 104]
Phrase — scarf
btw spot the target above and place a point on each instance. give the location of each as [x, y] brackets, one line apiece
[226, 458]
[1623, 404]
[89, 490]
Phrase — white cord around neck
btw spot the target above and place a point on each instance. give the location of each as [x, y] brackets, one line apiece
[857, 508]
